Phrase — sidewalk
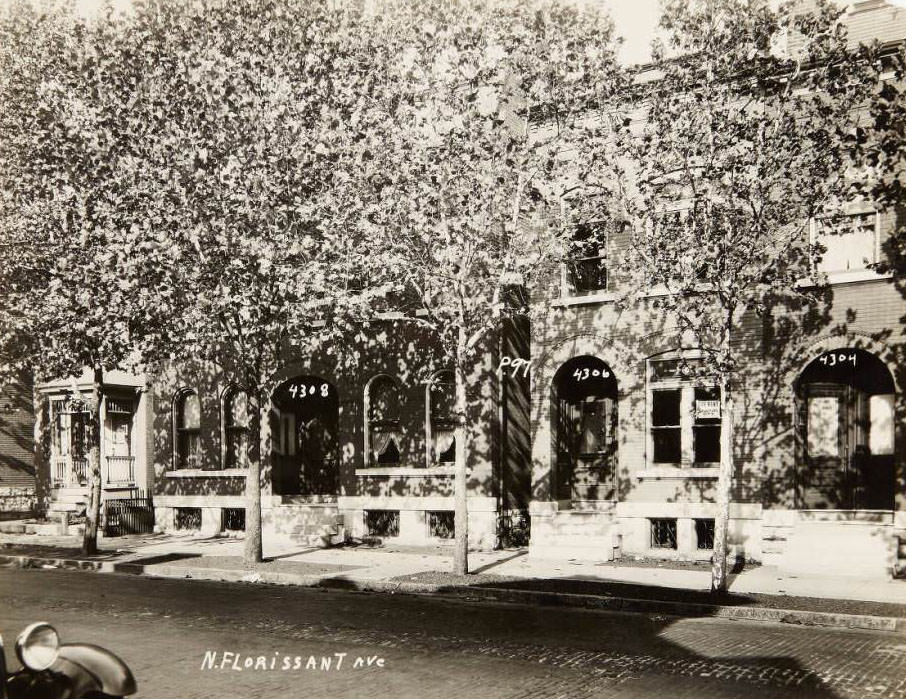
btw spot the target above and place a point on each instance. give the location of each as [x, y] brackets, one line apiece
[757, 592]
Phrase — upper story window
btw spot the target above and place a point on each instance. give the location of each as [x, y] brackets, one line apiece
[382, 409]
[684, 414]
[187, 430]
[850, 241]
[235, 428]
[441, 427]
[585, 270]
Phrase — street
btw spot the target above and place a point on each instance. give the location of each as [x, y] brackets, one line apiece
[185, 638]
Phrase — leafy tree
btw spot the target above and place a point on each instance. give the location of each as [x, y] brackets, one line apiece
[230, 183]
[747, 129]
[65, 302]
[456, 167]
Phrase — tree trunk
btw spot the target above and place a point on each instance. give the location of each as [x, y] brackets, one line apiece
[93, 512]
[724, 484]
[460, 484]
[260, 434]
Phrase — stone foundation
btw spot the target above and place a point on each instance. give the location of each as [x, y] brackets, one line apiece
[17, 501]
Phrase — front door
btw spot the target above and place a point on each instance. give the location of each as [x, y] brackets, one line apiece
[843, 469]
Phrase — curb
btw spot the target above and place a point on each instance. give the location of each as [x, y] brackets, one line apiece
[475, 594]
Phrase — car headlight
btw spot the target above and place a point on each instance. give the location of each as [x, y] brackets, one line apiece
[37, 646]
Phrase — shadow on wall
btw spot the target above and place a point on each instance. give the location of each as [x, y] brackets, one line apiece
[773, 465]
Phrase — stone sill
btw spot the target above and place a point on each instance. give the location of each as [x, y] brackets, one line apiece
[602, 297]
[406, 471]
[669, 472]
[205, 473]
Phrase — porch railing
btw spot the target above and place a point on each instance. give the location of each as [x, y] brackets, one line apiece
[120, 469]
[67, 470]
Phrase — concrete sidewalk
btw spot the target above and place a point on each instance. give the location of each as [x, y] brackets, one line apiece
[407, 569]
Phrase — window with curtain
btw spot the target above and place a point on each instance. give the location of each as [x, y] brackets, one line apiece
[188, 430]
[235, 428]
[441, 398]
[384, 401]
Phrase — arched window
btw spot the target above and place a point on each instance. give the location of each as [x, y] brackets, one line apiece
[382, 421]
[235, 428]
[441, 424]
[187, 430]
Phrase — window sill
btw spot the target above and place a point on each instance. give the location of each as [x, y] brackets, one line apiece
[406, 471]
[855, 275]
[675, 472]
[850, 277]
[204, 473]
[598, 297]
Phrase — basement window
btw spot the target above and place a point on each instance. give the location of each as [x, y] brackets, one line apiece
[663, 533]
[441, 524]
[234, 519]
[187, 518]
[384, 523]
[704, 533]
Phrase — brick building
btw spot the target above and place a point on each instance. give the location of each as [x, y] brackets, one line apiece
[626, 447]
[17, 468]
[608, 445]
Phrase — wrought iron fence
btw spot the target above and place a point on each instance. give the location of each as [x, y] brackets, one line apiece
[128, 516]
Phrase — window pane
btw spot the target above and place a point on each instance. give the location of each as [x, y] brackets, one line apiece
[383, 400]
[588, 274]
[850, 242]
[190, 412]
[594, 427]
[188, 445]
[665, 407]
[236, 412]
[824, 426]
[441, 395]
[707, 443]
[667, 448]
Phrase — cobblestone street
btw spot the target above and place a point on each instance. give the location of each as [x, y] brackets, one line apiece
[185, 638]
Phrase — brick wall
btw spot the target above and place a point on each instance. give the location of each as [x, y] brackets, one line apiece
[395, 350]
[17, 468]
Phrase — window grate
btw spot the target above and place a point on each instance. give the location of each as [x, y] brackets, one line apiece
[663, 533]
[187, 518]
[704, 533]
[234, 519]
[441, 524]
[382, 522]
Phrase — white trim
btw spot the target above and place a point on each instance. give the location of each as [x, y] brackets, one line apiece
[406, 471]
[602, 297]
[677, 472]
[204, 473]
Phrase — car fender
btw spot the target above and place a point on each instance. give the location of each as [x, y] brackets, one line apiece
[105, 670]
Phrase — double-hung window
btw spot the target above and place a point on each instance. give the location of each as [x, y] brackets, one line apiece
[683, 415]
[585, 270]
[187, 429]
[850, 241]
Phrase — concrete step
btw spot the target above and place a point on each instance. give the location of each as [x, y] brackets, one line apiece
[850, 548]
[57, 507]
[70, 497]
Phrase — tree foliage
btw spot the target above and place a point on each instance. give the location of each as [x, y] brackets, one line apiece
[748, 128]
[459, 161]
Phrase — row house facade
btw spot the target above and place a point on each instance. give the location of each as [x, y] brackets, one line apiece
[587, 428]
